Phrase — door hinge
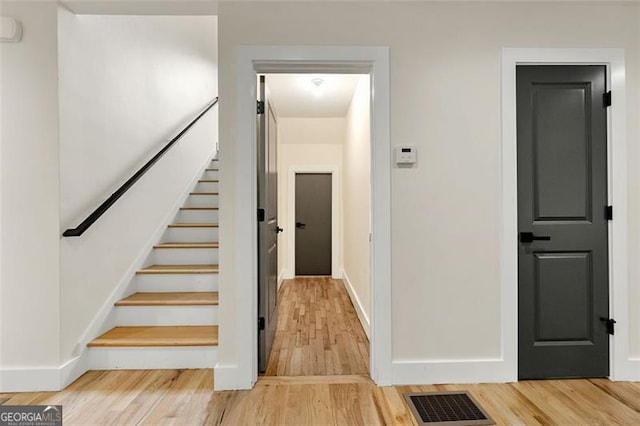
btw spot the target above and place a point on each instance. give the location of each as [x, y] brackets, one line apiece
[608, 212]
[606, 99]
[260, 108]
[260, 215]
[610, 322]
[261, 323]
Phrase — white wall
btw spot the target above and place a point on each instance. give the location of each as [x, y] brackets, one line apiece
[634, 201]
[445, 100]
[29, 270]
[303, 142]
[127, 84]
[357, 206]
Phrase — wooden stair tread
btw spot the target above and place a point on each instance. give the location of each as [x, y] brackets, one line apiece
[199, 208]
[158, 336]
[211, 245]
[193, 225]
[179, 269]
[170, 299]
[204, 193]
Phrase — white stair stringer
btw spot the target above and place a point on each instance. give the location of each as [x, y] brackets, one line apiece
[192, 239]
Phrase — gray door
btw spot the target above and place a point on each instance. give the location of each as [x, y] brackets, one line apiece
[563, 288]
[313, 224]
[267, 228]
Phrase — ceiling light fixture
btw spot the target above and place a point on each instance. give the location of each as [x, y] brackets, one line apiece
[317, 83]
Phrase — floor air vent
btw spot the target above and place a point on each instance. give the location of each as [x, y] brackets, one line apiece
[447, 408]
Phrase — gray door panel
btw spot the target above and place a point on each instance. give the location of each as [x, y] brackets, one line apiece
[313, 223]
[563, 288]
[267, 229]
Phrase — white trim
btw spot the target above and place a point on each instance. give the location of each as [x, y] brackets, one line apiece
[355, 300]
[337, 59]
[37, 379]
[227, 376]
[40, 379]
[336, 224]
[281, 277]
[622, 366]
[463, 371]
[73, 369]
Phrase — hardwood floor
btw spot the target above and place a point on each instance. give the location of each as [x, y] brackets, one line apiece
[185, 397]
[318, 331]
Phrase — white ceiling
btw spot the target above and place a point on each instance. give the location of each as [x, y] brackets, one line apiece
[295, 95]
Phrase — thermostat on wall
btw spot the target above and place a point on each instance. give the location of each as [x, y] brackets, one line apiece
[406, 155]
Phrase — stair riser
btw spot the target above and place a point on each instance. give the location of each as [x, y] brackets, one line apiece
[207, 187]
[211, 174]
[166, 315]
[152, 358]
[198, 216]
[191, 235]
[186, 256]
[201, 201]
[176, 283]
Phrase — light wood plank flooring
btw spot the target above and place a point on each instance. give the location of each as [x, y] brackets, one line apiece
[185, 397]
[318, 331]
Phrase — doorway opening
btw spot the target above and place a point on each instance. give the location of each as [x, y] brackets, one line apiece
[322, 221]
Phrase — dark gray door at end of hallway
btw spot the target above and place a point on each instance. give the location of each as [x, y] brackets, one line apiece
[563, 287]
[313, 223]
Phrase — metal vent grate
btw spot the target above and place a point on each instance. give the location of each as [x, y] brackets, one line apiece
[447, 408]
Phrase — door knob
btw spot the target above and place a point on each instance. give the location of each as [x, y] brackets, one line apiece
[279, 230]
[528, 237]
[301, 225]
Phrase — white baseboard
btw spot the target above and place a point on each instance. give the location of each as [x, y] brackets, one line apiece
[42, 379]
[362, 316]
[73, 369]
[30, 379]
[281, 278]
[444, 372]
[628, 371]
[228, 377]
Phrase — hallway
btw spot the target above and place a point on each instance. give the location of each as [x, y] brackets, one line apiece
[318, 331]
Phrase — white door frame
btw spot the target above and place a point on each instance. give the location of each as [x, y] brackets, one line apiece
[622, 366]
[311, 59]
[335, 215]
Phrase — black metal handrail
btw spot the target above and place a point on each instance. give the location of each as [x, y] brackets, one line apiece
[85, 224]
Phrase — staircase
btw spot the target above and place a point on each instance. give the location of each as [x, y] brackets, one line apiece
[170, 319]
